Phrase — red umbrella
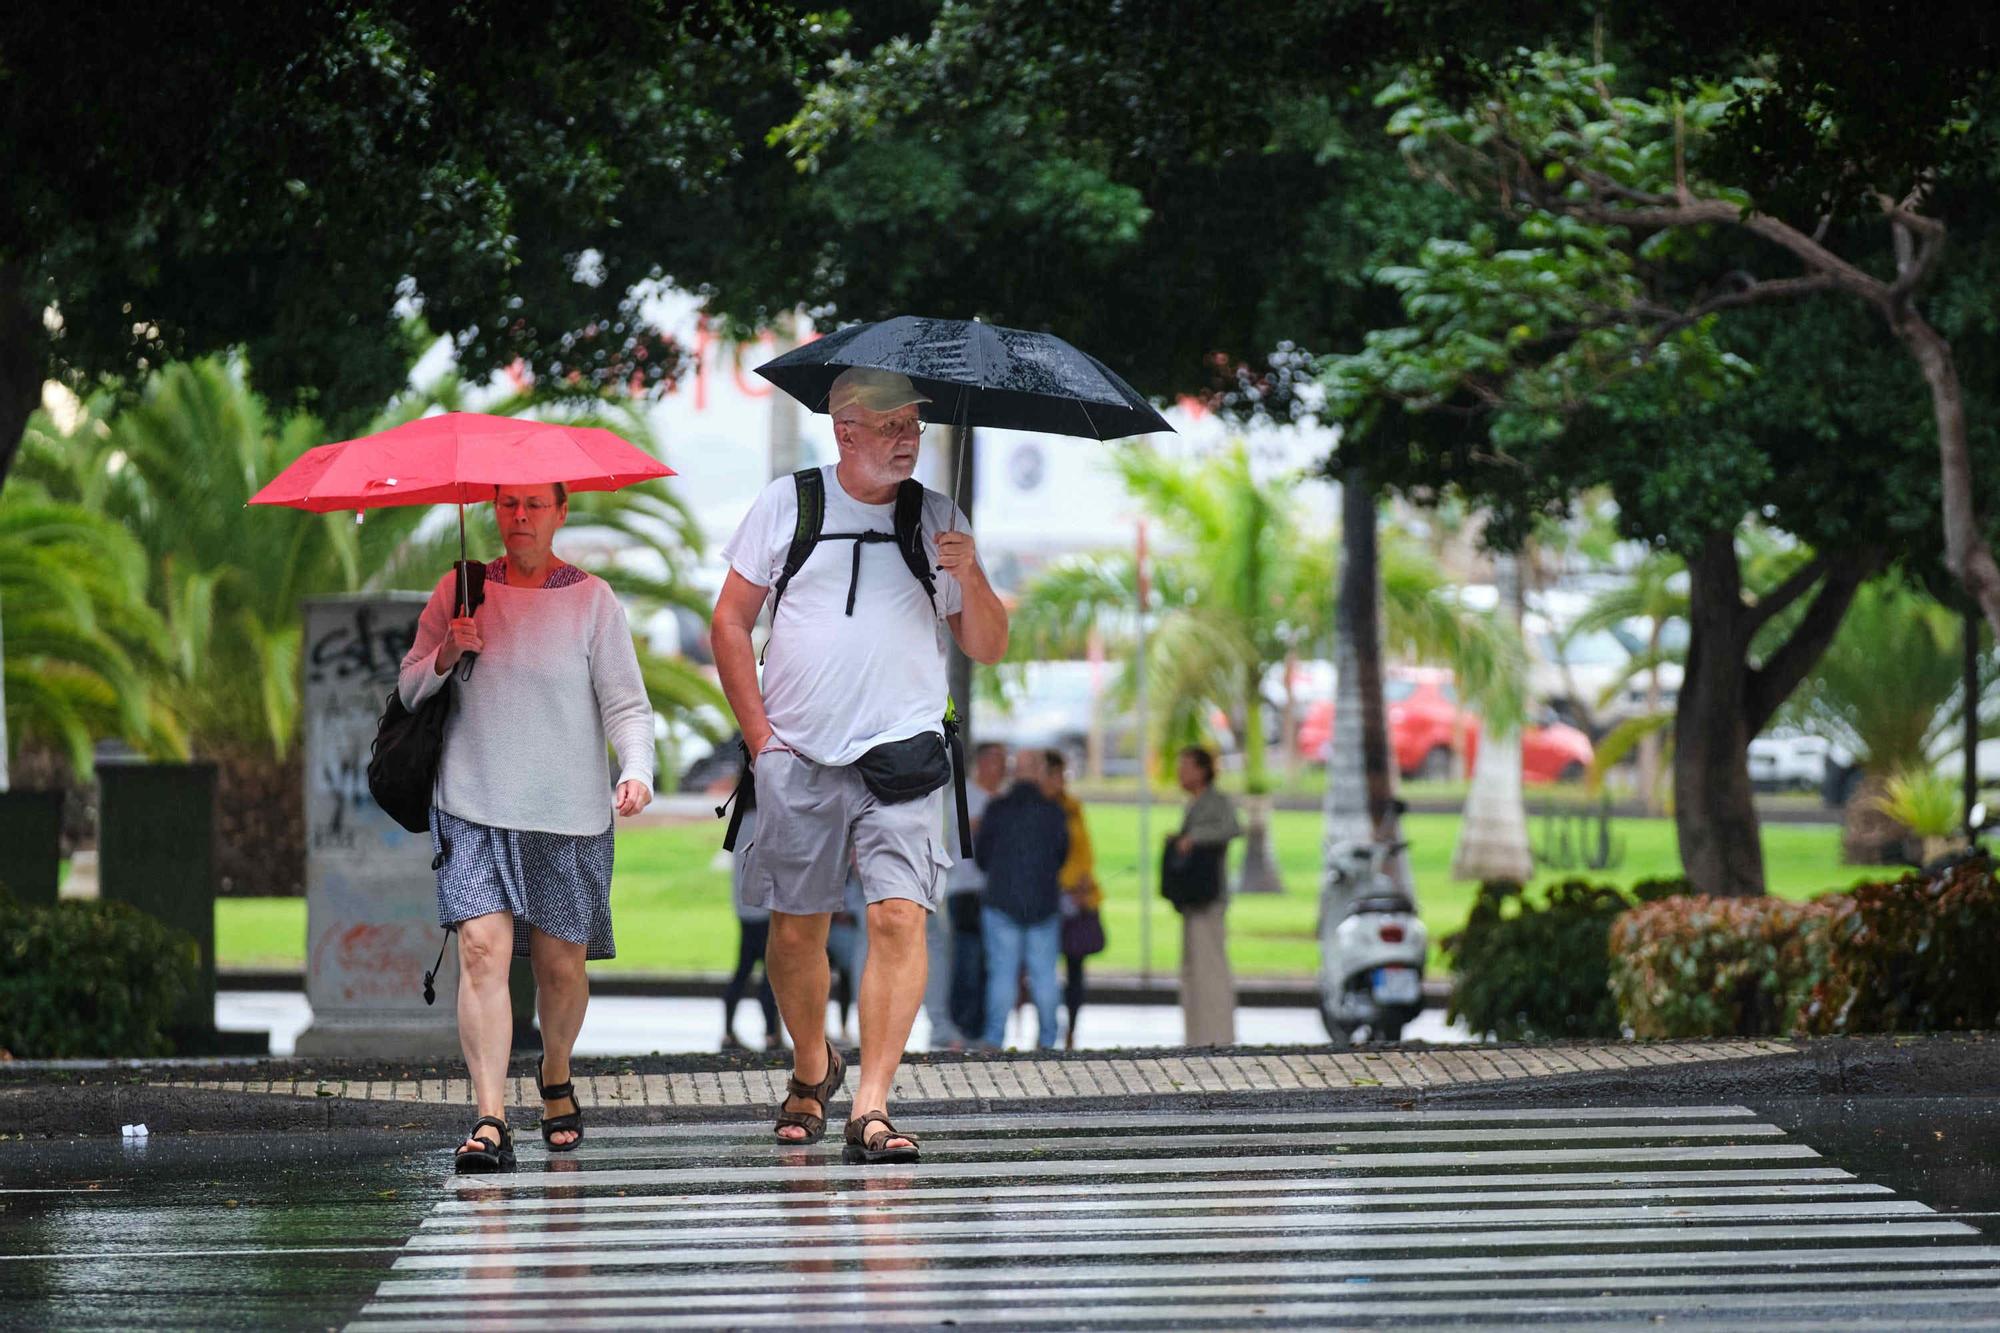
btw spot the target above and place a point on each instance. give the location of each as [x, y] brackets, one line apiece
[457, 458]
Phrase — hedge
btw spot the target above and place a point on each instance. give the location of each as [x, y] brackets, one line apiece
[1699, 966]
[1522, 970]
[1913, 955]
[90, 979]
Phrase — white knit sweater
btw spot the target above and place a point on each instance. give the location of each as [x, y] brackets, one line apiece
[524, 746]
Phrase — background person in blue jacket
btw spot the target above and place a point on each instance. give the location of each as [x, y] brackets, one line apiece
[1022, 842]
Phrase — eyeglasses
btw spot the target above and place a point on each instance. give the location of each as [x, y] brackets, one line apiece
[532, 506]
[895, 430]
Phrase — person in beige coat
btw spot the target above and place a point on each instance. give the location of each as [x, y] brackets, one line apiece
[1208, 993]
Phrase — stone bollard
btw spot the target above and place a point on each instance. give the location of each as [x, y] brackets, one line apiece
[156, 851]
[31, 846]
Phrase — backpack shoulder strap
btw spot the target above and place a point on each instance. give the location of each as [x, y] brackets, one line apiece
[910, 535]
[811, 488]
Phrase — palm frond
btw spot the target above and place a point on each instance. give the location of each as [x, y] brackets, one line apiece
[1624, 739]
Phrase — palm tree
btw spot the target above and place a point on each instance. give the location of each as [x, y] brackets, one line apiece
[1888, 689]
[174, 470]
[1656, 592]
[1243, 588]
[1235, 588]
[1393, 600]
[87, 655]
[1493, 836]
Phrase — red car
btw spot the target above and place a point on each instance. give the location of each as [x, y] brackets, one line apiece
[1426, 725]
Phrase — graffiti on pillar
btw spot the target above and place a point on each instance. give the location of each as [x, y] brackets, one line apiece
[351, 662]
[370, 891]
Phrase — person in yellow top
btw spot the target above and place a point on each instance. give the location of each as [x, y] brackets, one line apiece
[1082, 928]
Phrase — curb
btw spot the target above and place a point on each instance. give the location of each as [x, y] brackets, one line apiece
[1251, 993]
[99, 1099]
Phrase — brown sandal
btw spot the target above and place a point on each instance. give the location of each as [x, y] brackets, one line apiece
[821, 1092]
[871, 1149]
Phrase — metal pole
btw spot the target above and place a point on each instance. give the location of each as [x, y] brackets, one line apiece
[1970, 723]
[1145, 783]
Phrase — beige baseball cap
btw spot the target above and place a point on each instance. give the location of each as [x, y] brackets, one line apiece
[876, 390]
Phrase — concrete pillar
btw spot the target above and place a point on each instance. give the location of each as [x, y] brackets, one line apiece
[371, 897]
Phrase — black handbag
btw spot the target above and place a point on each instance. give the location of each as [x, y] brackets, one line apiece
[906, 770]
[403, 761]
[1082, 934]
[1193, 879]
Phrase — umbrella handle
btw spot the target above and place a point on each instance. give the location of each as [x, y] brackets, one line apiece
[469, 591]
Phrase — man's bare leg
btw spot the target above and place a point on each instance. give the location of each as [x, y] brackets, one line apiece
[892, 989]
[795, 962]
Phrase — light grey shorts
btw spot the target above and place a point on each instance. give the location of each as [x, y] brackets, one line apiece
[810, 817]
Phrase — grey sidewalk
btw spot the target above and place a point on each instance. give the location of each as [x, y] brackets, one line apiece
[96, 1098]
[1026, 1079]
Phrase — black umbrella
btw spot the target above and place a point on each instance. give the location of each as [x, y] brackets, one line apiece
[976, 375]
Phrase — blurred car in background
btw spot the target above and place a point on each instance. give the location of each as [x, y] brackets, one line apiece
[1428, 727]
[1787, 759]
[1586, 677]
[1053, 705]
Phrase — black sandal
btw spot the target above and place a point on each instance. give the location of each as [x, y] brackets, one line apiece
[871, 1149]
[553, 1125]
[821, 1092]
[484, 1161]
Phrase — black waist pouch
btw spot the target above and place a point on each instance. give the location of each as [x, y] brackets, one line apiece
[905, 770]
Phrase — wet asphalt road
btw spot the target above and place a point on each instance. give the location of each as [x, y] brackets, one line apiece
[1822, 1213]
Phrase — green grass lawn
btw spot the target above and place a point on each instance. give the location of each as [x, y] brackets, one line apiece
[670, 895]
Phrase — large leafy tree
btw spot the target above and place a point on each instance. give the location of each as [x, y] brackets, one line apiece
[276, 178]
[284, 179]
[1553, 349]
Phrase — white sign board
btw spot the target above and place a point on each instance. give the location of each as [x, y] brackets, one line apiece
[371, 897]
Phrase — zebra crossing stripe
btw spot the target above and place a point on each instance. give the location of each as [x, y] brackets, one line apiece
[735, 1207]
[796, 1167]
[950, 1149]
[874, 1247]
[1689, 1266]
[991, 1293]
[1415, 1186]
[1086, 1122]
[1011, 1311]
[1610, 1216]
[702, 1231]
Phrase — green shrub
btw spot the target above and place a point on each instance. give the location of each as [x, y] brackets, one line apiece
[1913, 956]
[83, 979]
[1696, 966]
[1522, 970]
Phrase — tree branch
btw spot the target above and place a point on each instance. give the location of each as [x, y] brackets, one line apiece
[1782, 596]
[1778, 289]
[1767, 687]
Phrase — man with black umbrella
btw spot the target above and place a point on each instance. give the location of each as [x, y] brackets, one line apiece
[844, 730]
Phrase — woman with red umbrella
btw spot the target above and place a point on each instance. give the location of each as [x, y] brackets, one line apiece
[521, 823]
[520, 814]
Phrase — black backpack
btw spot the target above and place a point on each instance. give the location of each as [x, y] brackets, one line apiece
[909, 540]
[409, 745]
[908, 537]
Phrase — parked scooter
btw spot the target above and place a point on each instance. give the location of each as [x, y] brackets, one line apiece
[1372, 947]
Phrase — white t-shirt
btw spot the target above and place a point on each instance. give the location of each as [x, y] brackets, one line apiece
[835, 686]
